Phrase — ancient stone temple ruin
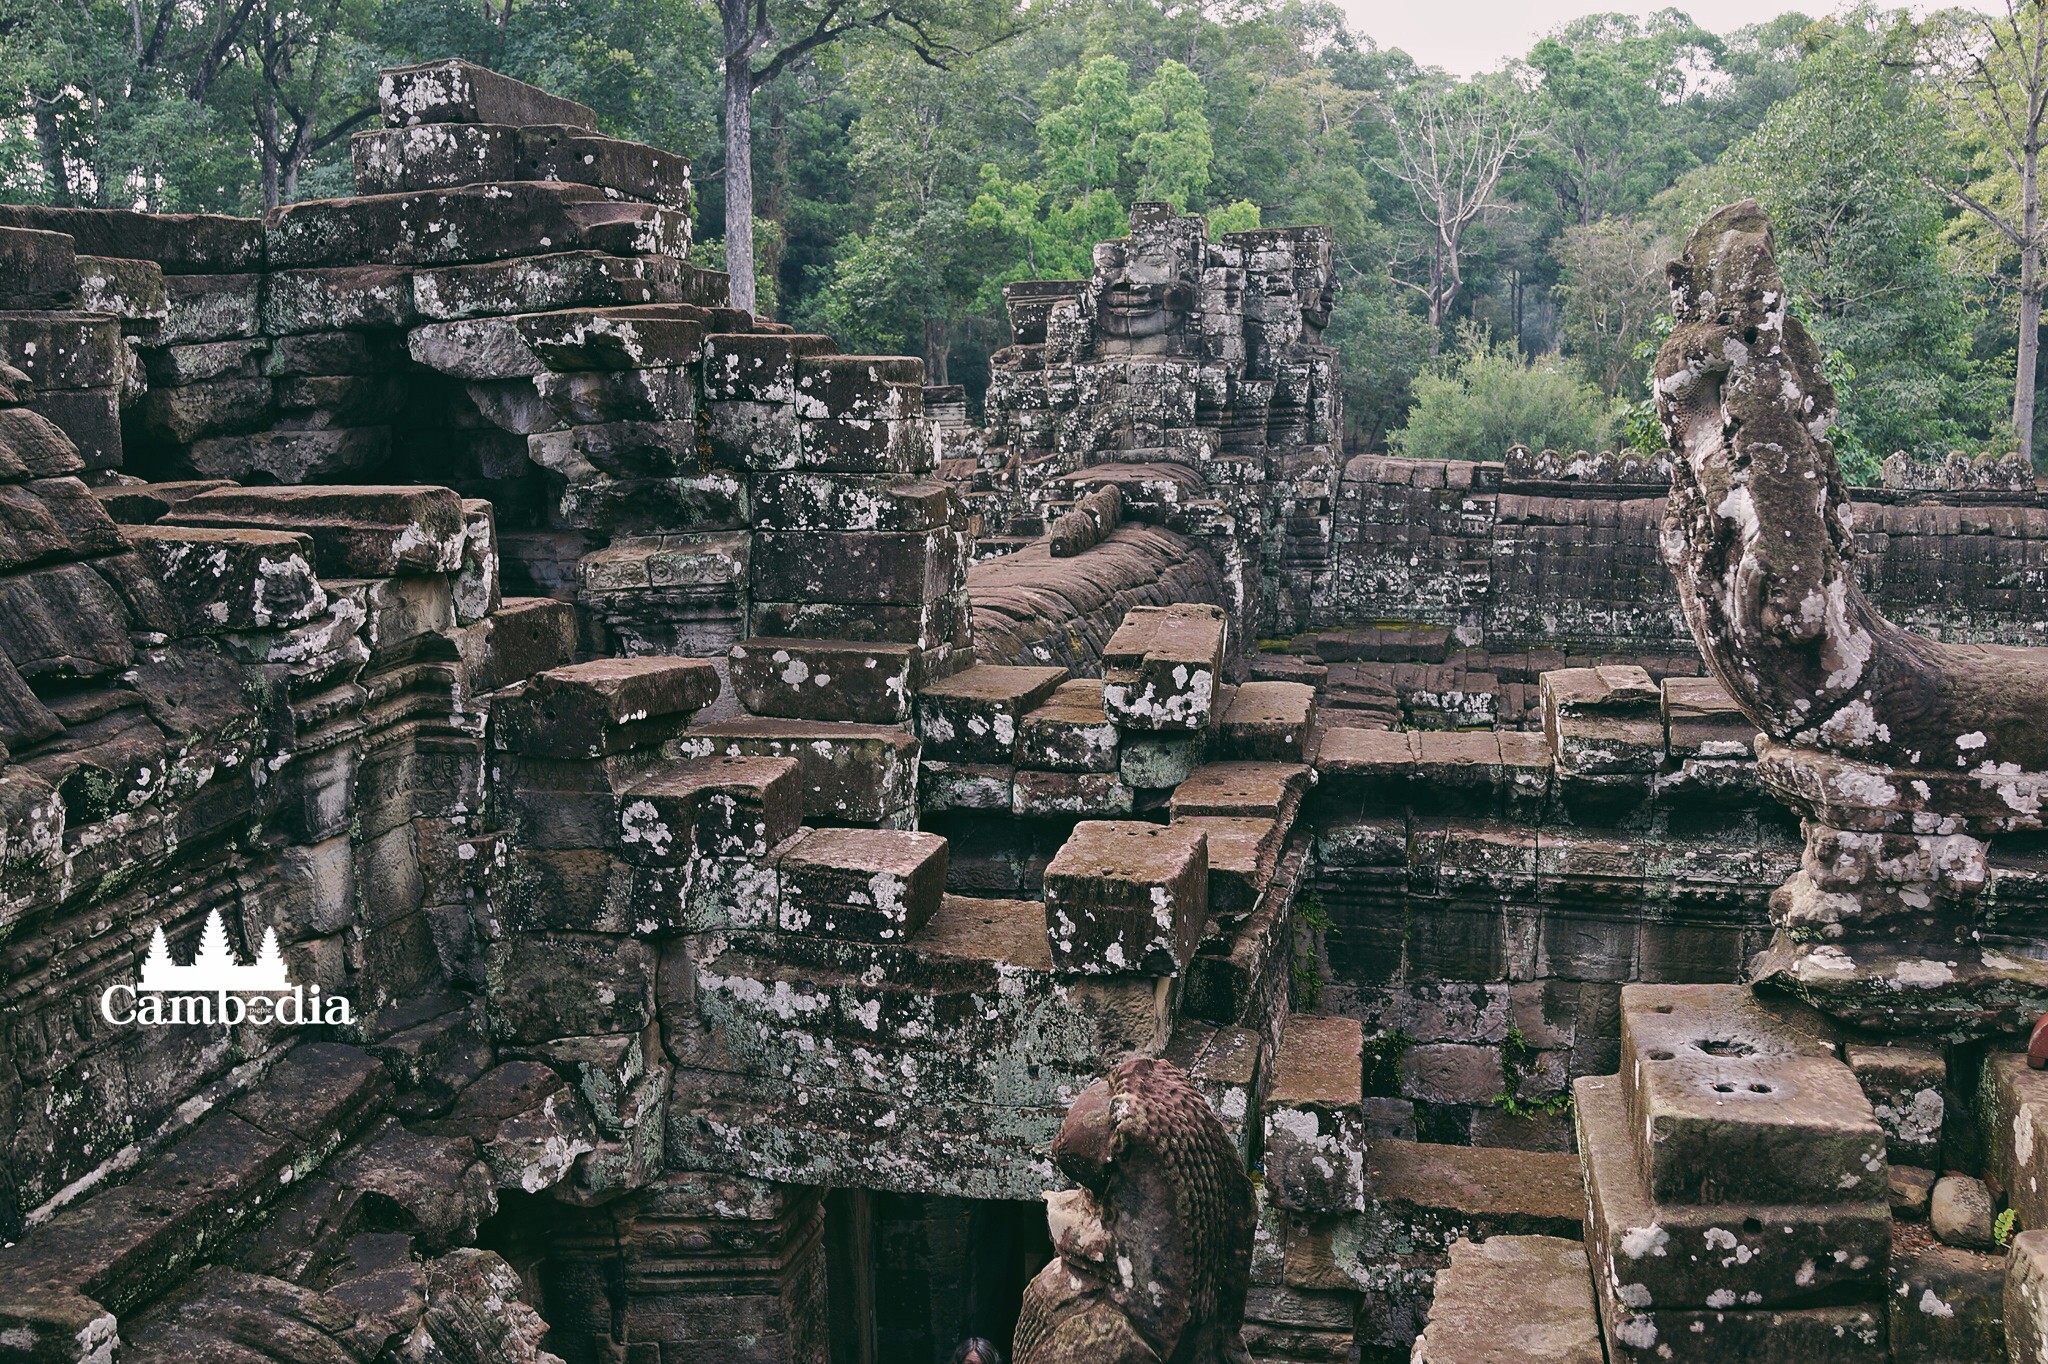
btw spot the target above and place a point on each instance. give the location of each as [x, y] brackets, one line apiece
[545, 818]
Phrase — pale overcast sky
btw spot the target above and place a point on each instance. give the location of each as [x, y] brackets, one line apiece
[1468, 36]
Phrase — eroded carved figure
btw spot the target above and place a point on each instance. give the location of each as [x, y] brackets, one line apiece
[1904, 754]
[1154, 1247]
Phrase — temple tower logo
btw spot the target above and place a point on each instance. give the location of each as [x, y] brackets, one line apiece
[215, 987]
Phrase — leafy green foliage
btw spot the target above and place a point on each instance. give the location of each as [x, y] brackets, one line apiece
[2005, 1227]
[895, 197]
[1382, 1061]
[1305, 977]
[1488, 397]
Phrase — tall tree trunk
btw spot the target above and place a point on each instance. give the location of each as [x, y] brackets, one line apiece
[52, 148]
[266, 146]
[2030, 305]
[739, 153]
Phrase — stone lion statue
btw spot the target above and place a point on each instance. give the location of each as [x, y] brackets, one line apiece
[1154, 1247]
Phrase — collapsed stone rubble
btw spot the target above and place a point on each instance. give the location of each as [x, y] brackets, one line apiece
[742, 811]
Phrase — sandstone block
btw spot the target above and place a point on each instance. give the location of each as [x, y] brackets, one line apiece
[973, 716]
[1243, 790]
[573, 156]
[89, 417]
[211, 307]
[37, 269]
[1161, 667]
[1127, 897]
[525, 635]
[215, 407]
[1160, 760]
[640, 336]
[711, 807]
[1742, 1104]
[756, 367]
[1904, 1085]
[561, 279]
[1530, 1295]
[1087, 795]
[808, 679]
[2026, 1298]
[607, 705]
[848, 502]
[367, 531]
[302, 301]
[434, 155]
[1947, 1306]
[944, 785]
[132, 290]
[1692, 1255]
[183, 243]
[1069, 732]
[233, 579]
[1269, 722]
[901, 568]
[876, 885]
[62, 623]
[1701, 720]
[458, 92]
[62, 349]
[1315, 1117]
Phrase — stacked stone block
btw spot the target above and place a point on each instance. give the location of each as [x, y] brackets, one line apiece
[1735, 1179]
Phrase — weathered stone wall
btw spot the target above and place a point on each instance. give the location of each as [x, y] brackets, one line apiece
[1536, 554]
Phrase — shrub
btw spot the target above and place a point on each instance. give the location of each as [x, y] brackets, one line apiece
[1488, 397]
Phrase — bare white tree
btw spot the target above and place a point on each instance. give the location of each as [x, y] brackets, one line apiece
[1451, 148]
[1996, 93]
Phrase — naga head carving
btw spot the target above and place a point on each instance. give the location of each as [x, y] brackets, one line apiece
[1758, 529]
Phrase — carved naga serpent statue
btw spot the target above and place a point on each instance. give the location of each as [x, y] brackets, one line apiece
[1154, 1249]
[1758, 535]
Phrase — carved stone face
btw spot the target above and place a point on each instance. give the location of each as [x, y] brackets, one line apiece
[1146, 302]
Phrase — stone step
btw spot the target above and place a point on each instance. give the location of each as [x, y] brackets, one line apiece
[1525, 1298]
[1421, 1198]
[850, 774]
[1243, 790]
[973, 716]
[1269, 722]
